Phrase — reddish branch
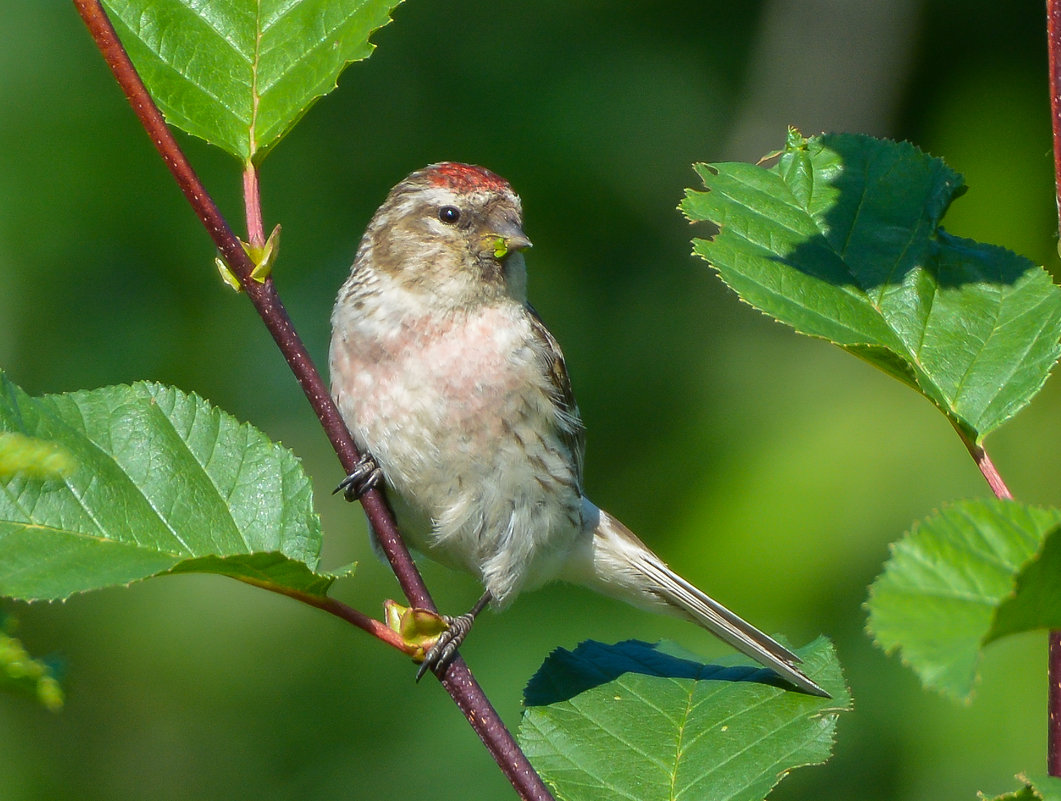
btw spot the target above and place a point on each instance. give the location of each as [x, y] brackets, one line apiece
[1053, 706]
[457, 678]
[1053, 41]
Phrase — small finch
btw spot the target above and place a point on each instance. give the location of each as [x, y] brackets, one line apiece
[458, 396]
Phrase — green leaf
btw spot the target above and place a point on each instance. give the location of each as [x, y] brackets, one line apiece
[648, 722]
[967, 575]
[269, 569]
[841, 239]
[164, 483]
[240, 73]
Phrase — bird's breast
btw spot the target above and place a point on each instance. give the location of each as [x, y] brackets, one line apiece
[460, 414]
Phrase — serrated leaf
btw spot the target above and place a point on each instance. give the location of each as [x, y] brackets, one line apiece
[164, 482]
[240, 73]
[841, 239]
[967, 575]
[648, 722]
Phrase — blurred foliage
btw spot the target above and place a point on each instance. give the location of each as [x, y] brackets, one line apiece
[770, 469]
[22, 673]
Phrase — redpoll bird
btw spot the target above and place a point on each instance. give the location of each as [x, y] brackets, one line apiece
[458, 395]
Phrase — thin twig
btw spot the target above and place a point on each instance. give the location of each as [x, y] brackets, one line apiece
[379, 630]
[457, 678]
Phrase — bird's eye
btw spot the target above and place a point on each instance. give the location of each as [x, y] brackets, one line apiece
[449, 214]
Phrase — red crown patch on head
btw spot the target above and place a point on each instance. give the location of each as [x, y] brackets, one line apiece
[465, 177]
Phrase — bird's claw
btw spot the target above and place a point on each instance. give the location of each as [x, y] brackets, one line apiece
[449, 641]
[365, 476]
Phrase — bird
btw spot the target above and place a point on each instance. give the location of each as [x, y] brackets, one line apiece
[459, 399]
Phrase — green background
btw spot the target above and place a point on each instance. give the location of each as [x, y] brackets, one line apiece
[772, 470]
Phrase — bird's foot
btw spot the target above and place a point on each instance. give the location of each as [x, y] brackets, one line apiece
[366, 475]
[445, 648]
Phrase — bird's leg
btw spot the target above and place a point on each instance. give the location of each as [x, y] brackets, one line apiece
[365, 476]
[445, 648]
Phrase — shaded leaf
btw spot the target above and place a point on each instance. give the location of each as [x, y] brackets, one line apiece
[240, 73]
[973, 572]
[841, 239]
[649, 722]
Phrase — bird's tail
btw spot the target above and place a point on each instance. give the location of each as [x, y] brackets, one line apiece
[615, 562]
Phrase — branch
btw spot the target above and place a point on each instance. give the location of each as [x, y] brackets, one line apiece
[379, 630]
[1053, 703]
[457, 679]
[1053, 44]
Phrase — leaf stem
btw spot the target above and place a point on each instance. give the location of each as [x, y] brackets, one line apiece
[987, 467]
[252, 201]
[456, 679]
[1053, 42]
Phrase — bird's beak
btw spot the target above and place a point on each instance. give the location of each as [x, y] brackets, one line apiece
[504, 239]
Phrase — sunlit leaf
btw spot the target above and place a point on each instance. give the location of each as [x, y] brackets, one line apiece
[967, 575]
[164, 482]
[240, 73]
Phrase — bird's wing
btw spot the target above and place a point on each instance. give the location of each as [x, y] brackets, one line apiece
[569, 423]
